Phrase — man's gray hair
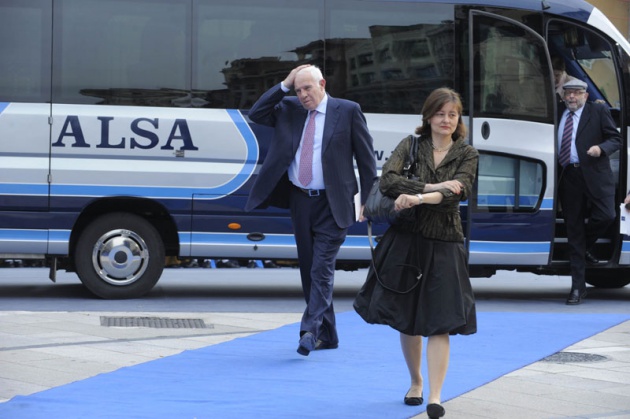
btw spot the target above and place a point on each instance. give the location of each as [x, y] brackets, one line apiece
[315, 72]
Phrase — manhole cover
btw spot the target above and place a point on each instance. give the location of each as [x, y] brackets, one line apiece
[572, 357]
[156, 322]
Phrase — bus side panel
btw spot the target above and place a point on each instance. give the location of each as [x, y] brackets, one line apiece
[164, 155]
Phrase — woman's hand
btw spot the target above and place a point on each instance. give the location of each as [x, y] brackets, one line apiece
[405, 201]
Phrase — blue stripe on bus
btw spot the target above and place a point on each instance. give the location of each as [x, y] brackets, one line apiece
[509, 247]
[507, 201]
[59, 236]
[162, 192]
[3, 106]
[547, 204]
[252, 149]
[361, 241]
[240, 238]
[21, 189]
[24, 235]
[270, 239]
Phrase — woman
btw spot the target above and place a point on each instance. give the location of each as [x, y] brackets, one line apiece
[428, 237]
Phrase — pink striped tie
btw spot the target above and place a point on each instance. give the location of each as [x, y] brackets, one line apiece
[565, 147]
[305, 173]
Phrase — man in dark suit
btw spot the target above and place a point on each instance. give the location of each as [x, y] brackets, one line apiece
[587, 136]
[309, 169]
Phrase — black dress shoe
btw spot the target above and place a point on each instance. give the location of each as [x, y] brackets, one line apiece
[325, 345]
[307, 344]
[576, 297]
[435, 411]
[590, 258]
[413, 401]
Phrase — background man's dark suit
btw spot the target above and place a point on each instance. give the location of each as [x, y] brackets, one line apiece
[588, 191]
[319, 223]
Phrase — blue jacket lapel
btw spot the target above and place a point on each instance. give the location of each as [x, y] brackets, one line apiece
[332, 117]
[584, 118]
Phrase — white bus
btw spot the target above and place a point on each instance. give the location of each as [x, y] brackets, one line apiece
[124, 135]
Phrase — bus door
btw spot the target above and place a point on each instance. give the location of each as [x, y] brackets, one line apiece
[512, 215]
[591, 56]
[25, 30]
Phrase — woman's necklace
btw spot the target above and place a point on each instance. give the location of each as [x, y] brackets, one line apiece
[442, 149]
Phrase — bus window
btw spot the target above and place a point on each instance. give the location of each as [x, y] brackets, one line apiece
[589, 57]
[387, 58]
[513, 73]
[595, 59]
[25, 58]
[509, 184]
[121, 53]
[242, 48]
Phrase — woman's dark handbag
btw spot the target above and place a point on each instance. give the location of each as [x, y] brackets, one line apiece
[379, 208]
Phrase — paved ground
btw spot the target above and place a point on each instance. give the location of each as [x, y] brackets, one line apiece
[44, 349]
[569, 389]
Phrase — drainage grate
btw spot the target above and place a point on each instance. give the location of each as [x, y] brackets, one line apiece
[571, 357]
[155, 322]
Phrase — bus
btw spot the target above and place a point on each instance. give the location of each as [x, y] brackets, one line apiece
[124, 135]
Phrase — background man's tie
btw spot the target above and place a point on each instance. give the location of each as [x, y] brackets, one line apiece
[565, 146]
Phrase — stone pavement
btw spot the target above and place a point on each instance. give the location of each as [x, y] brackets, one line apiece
[590, 379]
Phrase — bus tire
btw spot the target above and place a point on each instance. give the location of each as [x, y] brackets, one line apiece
[609, 279]
[119, 255]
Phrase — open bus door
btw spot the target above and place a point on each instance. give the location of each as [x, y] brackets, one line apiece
[512, 215]
[592, 56]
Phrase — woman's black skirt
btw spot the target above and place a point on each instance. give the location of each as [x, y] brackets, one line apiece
[424, 287]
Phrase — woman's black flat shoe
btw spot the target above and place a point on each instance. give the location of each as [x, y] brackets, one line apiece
[435, 411]
[414, 401]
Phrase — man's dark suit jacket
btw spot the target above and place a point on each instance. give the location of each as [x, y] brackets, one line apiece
[597, 127]
[345, 136]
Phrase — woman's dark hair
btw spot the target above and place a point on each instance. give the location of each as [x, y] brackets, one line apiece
[434, 103]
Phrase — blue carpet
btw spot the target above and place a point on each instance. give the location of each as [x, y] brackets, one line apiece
[262, 376]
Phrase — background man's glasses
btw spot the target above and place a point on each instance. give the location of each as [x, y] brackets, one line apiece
[574, 92]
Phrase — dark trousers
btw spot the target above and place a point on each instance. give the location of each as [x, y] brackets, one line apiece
[577, 205]
[318, 240]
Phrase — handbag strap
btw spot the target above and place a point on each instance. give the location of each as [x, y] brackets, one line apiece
[373, 263]
[409, 168]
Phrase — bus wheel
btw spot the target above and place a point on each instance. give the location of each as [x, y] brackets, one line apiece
[119, 255]
[609, 279]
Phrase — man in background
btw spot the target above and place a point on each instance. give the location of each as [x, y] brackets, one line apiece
[587, 137]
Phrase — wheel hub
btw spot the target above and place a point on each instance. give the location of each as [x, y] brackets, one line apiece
[120, 257]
